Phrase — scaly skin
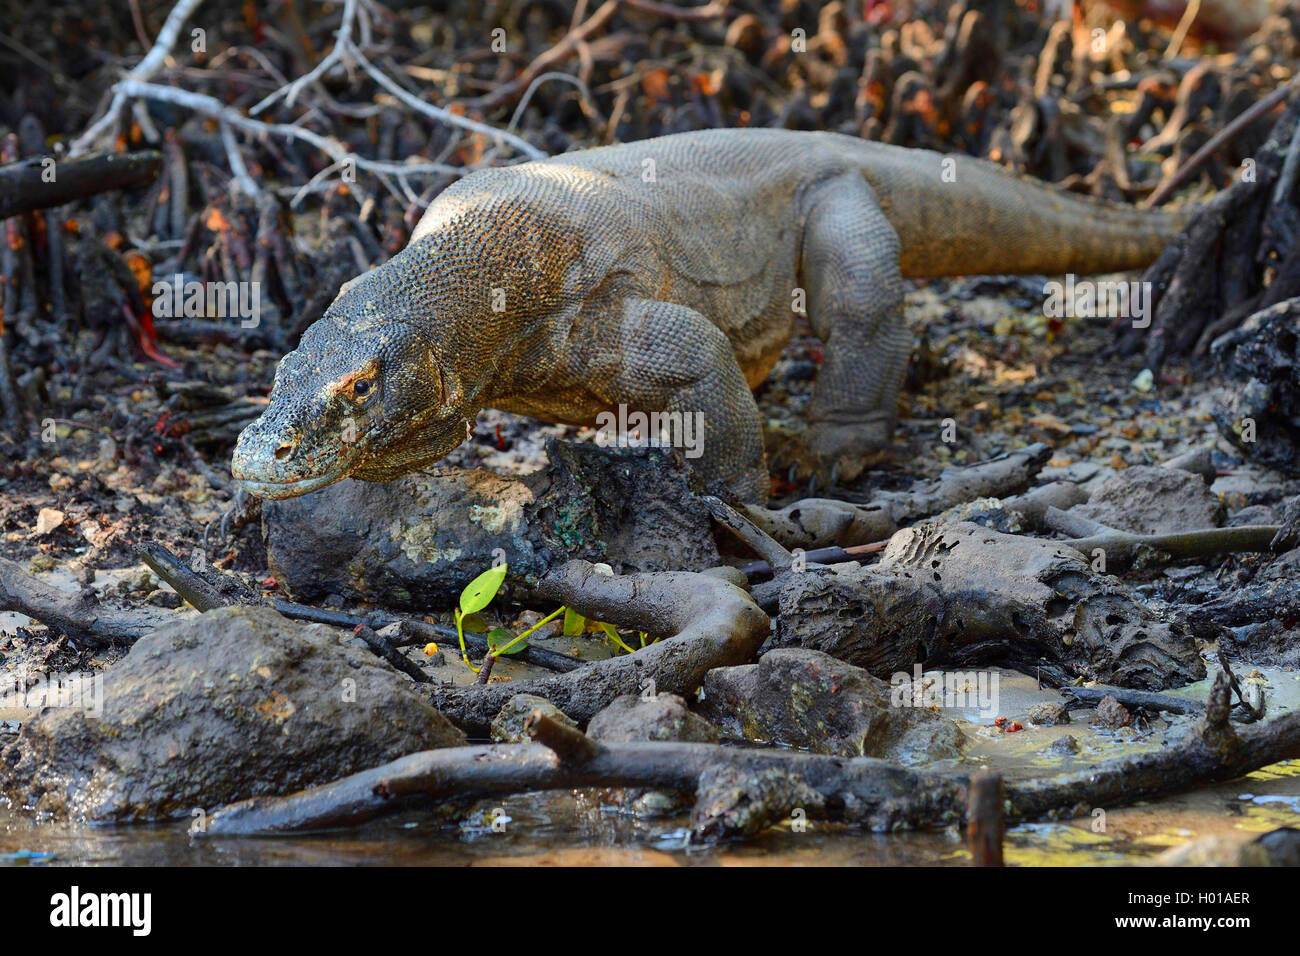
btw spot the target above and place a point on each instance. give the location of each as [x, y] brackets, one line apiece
[663, 276]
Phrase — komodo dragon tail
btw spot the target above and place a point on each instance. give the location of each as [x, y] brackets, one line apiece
[981, 219]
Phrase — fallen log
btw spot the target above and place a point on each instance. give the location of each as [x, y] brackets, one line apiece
[82, 617]
[881, 794]
[27, 185]
[865, 790]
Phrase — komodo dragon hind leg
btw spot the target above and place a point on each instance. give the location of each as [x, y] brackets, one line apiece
[676, 360]
[849, 265]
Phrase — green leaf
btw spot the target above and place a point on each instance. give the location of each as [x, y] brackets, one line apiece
[474, 623]
[499, 637]
[612, 633]
[479, 593]
[574, 623]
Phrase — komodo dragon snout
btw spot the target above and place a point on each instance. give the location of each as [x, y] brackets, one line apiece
[356, 399]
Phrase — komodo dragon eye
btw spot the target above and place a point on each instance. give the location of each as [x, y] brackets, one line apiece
[361, 388]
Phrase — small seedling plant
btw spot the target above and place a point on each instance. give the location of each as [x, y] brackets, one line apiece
[479, 593]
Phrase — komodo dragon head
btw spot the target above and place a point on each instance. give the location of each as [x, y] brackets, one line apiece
[365, 395]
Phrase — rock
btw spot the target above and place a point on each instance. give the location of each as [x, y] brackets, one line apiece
[1199, 461]
[1149, 499]
[1048, 714]
[1253, 514]
[1111, 714]
[961, 595]
[508, 726]
[632, 719]
[414, 543]
[1069, 744]
[875, 621]
[1261, 360]
[1015, 601]
[235, 703]
[807, 699]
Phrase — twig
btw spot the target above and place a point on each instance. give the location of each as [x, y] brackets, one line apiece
[1181, 31]
[437, 112]
[1216, 141]
[153, 62]
[383, 649]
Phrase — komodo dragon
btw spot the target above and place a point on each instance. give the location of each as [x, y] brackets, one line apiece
[662, 275]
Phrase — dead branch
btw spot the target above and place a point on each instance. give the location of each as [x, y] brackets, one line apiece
[1122, 548]
[1216, 142]
[772, 551]
[861, 789]
[881, 794]
[507, 93]
[23, 186]
[81, 617]
[815, 522]
[152, 62]
[1146, 699]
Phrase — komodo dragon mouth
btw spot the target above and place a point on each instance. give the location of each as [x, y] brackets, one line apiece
[287, 489]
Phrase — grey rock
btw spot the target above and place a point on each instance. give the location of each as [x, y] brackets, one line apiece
[235, 703]
[508, 726]
[1149, 499]
[804, 698]
[1048, 714]
[632, 719]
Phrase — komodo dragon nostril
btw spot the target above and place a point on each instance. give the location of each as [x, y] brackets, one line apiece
[285, 450]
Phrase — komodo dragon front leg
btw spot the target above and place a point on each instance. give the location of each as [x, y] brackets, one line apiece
[664, 357]
[849, 265]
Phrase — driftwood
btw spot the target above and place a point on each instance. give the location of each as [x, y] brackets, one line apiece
[815, 522]
[82, 617]
[702, 620]
[24, 186]
[883, 795]
[1148, 700]
[861, 789]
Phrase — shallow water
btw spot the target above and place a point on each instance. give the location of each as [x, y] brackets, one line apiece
[568, 829]
[558, 830]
